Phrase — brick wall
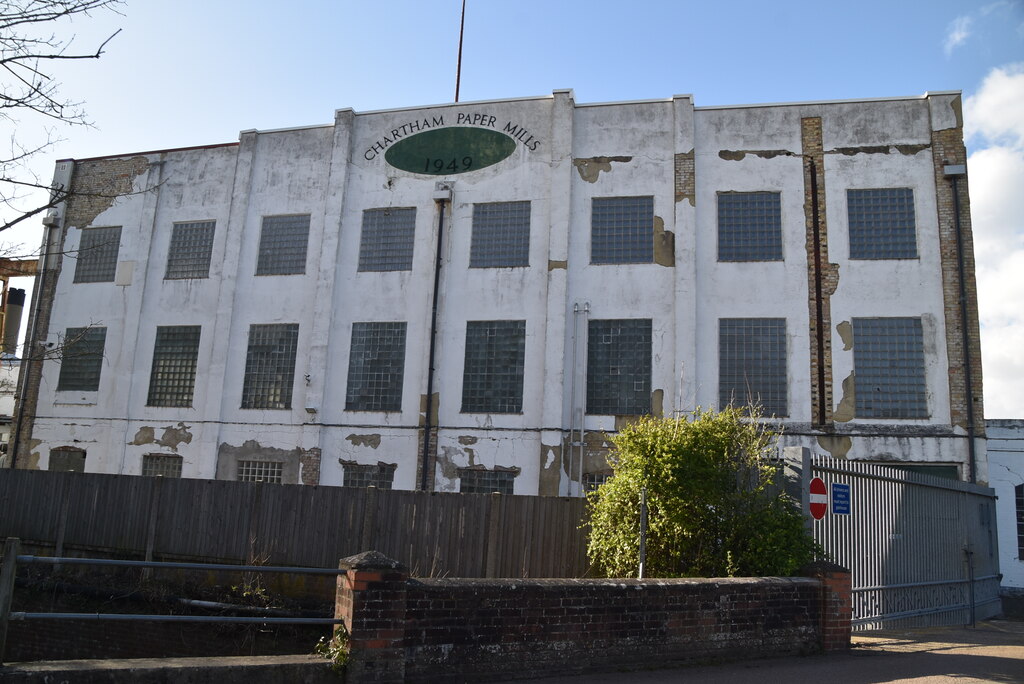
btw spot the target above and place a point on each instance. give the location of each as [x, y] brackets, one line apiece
[419, 630]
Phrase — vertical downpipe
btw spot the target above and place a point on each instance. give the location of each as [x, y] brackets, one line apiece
[818, 304]
[572, 394]
[964, 339]
[428, 426]
[582, 409]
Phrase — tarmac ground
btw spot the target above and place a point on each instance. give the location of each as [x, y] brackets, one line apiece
[993, 651]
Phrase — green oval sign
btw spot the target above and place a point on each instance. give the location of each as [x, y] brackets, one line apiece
[446, 151]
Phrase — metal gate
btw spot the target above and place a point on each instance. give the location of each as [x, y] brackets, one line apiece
[922, 549]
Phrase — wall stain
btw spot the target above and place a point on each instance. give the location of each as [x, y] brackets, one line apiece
[738, 155]
[658, 403]
[467, 440]
[372, 441]
[554, 265]
[590, 168]
[144, 435]
[846, 410]
[664, 244]
[836, 445]
[433, 410]
[907, 150]
[845, 330]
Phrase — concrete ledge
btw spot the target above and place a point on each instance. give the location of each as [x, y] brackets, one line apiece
[300, 669]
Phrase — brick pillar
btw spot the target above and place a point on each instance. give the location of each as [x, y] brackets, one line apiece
[836, 604]
[371, 601]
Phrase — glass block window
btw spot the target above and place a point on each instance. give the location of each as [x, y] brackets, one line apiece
[479, 481]
[386, 242]
[380, 475]
[619, 367]
[270, 366]
[501, 235]
[591, 481]
[97, 255]
[882, 223]
[67, 460]
[749, 226]
[1019, 496]
[190, 250]
[622, 230]
[376, 367]
[495, 358]
[752, 364]
[260, 471]
[173, 376]
[161, 465]
[283, 242]
[82, 359]
[888, 362]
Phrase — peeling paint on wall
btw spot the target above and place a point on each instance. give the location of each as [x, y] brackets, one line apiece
[845, 330]
[685, 182]
[171, 438]
[468, 440]
[554, 265]
[664, 244]
[738, 155]
[908, 150]
[551, 468]
[372, 441]
[228, 456]
[836, 445]
[846, 410]
[830, 279]
[434, 403]
[590, 169]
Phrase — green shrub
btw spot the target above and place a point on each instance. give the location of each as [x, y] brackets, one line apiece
[716, 507]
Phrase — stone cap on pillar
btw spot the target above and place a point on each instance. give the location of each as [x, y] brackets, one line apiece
[371, 560]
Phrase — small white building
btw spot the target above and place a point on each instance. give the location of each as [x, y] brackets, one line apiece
[1006, 472]
[470, 296]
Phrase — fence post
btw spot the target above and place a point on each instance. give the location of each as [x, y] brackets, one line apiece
[371, 599]
[12, 547]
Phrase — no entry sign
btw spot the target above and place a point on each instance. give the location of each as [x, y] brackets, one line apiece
[819, 498]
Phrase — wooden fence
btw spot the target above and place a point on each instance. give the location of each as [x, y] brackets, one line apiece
[434, 534]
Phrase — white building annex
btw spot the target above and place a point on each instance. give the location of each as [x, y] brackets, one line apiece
[467, 297]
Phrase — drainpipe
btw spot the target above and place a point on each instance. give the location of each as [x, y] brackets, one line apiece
[442, 195]
[954, 172]
[819, 314]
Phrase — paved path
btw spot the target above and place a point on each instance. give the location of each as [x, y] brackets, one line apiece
[991, 652]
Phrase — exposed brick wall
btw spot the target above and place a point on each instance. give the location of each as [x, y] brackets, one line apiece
[948, 148]
[419, 630]
[685, 178]
[818, 266]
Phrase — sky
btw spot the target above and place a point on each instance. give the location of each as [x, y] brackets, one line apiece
[195, 72]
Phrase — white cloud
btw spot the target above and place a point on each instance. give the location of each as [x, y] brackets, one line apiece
[994, 125]
[957, 33]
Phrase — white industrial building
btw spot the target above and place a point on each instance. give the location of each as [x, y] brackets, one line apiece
[1006, 456]
[469, 296]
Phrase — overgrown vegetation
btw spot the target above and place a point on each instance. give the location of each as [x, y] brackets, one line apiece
[715, 505]
[334, 649]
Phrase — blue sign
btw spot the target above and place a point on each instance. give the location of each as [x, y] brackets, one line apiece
[841, 498]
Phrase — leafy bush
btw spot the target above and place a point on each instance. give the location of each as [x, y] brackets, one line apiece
[716, 507]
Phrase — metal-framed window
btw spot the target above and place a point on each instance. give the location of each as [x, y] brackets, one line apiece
[622, 230]
[97, 255]
[173, 376]
[67, 460]
[882, 224]
[480, 481]
[81, 360]
[387, 239]
[889, 369]
[376, 367]
[190, 250]
[591, 481]
[501, 235]
[161, 465]
[619, 366]
[379, 475]
[270, 366]
[749, 226]
[260, 471]
[493, 373]
[283, 242]
[752, 364]
[1019, 496]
